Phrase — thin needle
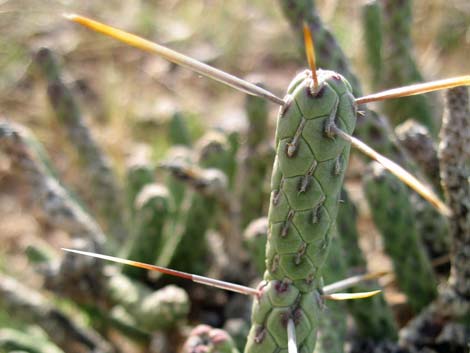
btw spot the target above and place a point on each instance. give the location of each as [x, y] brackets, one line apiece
[352, 281]
[351, 296]
[291, 337]
[175, 57]
[195, 278]
[398, 171]
[310, 51]
[415, 89]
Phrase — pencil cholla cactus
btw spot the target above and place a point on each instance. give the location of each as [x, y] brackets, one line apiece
[307, 176]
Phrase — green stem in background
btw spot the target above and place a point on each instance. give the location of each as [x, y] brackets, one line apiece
[20, 341]
[393, 215]
[371, 17]
[256, 157]
[400, 66]
[188, 248]
[204, 338]
[103, 183]
[332, 326]
[373, 317]
[254, 238]
[153, 208]
[307, 177]
[176, 159]
[178, 132]
[29, 306]
[140, 171]
[151, 310]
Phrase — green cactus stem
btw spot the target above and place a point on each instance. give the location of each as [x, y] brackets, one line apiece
[103, 183]
[255, 158]
[176, 159]
[31, 307]
[178, 132]
[189, 249]
[307, 177]
[14, 340]
[255, 237]
[213, 150]
[371, 17]
[373, 317]
[153, 207]
[204, 338]
[140, 171]
[332, 325]
[393, 215]
[60, 208]
[159, 310]
[400, 66]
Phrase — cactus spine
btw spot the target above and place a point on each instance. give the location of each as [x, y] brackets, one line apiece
[307, 176]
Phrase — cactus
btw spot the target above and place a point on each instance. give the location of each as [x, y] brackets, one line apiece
[449, 314]
[153, 207]
[396, 222]
[454, 158]
[151, 311]
[373, 317]
[256, 158]
[307, 176]
[60, 207]
[31, 307]
[139, 172]
[13, 340]
[96, 164]
[255, 237]
[332, 323]
[199, 216]
[204, 338]
[178, 132]
[176, 159]
[418, 142]
[400, 67]
[371, 17]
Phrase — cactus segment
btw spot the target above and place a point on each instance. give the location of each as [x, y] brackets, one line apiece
[153, 206]
[96, 165]
[400, 66]
[150, 310]
[372, 29]
[395, 220]
[374, 318]
[19, 341]
[204, 338]
[254, 238]
[307, 177]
